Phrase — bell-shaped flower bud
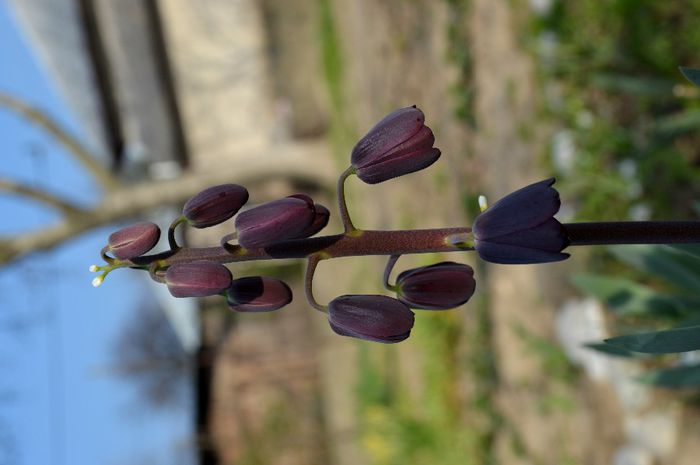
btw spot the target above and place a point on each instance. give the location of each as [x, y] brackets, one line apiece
[134, 240]
[399, 144]
[275, 221]
[320, 221]
[214, 205]
[371, 317]
[197, 279]
[520, 228]
[258, 294]
[441, 286]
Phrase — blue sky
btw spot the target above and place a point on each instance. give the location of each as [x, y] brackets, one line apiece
[56, 331]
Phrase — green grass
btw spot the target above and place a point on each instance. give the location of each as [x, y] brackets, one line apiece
[433, 422]
[615, 66]
[342, 134]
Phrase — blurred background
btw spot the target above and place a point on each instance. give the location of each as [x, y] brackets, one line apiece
[116, 110]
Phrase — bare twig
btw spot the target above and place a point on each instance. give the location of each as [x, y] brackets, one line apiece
[70, 143]
[64, 206]
[132, 201]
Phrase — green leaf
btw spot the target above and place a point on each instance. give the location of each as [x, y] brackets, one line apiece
[690, 249]
[647, 86]
[660, 342]
[676, 377]
[691, 74]
[668, 263]
[609, 349]
[678, 123]
[626, 297]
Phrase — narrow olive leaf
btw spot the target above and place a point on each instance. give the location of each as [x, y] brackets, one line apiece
[677, 123]
[690, 249]
[687, 376]
[660, 342]
[609, 349]
[691, 74]
[626, 297]
[672, 265]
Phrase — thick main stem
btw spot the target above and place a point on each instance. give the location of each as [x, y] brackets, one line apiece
[359, 243]
[633, 232]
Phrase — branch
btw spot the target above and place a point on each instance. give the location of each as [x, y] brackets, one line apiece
[137, 200]
[70, 143]
[64, 206]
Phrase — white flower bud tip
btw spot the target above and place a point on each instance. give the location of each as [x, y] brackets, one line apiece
[483, 203]
[97, 281]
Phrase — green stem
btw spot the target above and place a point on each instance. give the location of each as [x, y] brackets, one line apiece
[309, 283]
[342, 205]
[107, 258]
[387, 272]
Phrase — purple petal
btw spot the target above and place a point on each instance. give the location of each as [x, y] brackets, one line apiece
[372, 317]
[436, 287]
[214, 205]
[197, 279]
[258, 294]
[391, 131]
[274, 221]
[522, 209]
[389, 168]
[320, 221]
[514, 255]
[133, 240]
[549, 236]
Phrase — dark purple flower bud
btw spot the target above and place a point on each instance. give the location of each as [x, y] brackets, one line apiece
[214, 205]
[520, 228]
[371, 317]
[397, 145]
[275, 221]
[197, 279]
[436, 287]
[134, 240]
[258, 294]
[320, 222]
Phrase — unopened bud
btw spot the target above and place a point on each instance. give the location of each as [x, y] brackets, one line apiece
[197, 279]
[320, 221]
[399, 144]
[214, 205]
[258, 294]
[371, 317]
[436, 287]
[275, 221]
[133, 240]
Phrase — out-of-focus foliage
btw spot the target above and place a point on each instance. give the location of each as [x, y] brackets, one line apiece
[629, 144]
[666, 307]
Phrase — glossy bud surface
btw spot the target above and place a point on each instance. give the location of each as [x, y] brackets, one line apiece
[520, 228]
[275, 221]
[134, 240]
[436, 287]
[371, 317]
[258, 294]
[214, 205]
[197, 279]
[399, 144]
[322, 215]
